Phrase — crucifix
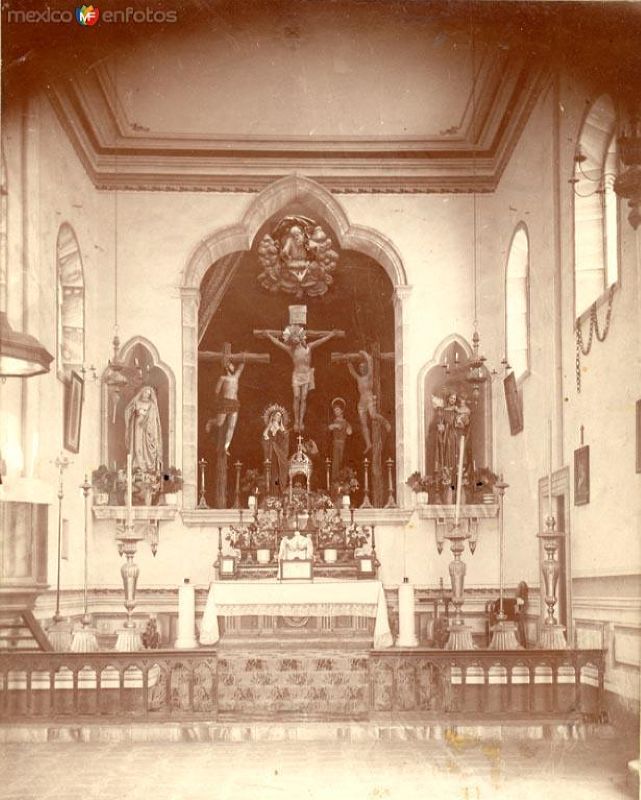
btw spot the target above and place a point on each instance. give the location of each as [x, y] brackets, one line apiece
[368, 379]
[294, 341]
[223, 424]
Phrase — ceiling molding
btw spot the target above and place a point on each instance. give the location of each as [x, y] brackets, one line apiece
[470, 157]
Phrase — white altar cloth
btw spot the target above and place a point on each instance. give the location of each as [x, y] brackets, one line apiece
[322, 598]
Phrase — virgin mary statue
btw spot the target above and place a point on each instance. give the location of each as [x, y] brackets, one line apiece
[143, 433]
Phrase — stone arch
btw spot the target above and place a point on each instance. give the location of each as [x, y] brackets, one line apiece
[238, 237]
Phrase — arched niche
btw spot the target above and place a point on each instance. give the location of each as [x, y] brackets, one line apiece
[444, 373]
[221, 248]
[146, 369]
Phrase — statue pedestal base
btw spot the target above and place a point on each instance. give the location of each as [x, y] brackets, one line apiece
[128, 640]
[84, 641]
[460, 637]
[552, 637]
[504, 637]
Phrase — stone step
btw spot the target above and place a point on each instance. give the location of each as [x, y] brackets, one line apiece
[458, 732]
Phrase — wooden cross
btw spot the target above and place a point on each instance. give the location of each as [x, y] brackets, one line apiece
[226, 356]
[378, 483]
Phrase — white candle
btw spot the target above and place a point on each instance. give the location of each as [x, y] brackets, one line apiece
[549, 469]
[459, 480]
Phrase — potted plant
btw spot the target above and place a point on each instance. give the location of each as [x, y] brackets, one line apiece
[420, 485]
[240, 540]
[102, 481]
[346, 485]
[484, 482]
[171, 484]
[356, 538]
[264, 540]
[330, 541]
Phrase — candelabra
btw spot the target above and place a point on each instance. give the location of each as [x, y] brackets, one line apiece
[504, 632]
[128, 538]
[84, 639]
[391, 499]
[551, 635]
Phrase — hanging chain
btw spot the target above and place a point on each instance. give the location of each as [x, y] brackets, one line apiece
[581, 347]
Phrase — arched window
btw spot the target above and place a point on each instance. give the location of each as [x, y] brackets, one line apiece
[596, 213]
[71, 301]
[517, 305]
[3, 233]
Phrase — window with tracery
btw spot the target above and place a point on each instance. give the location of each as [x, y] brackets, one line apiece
[517, 305]
[71, 301]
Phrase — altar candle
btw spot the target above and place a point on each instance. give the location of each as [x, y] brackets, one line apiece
[459, 481]
[129, 480]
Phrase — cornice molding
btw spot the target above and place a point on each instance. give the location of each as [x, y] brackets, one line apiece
[117, 156]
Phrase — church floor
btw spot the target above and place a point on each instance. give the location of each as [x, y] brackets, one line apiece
[454, 768]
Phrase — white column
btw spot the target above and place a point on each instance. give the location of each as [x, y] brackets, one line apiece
[186, 617]
[406, 618]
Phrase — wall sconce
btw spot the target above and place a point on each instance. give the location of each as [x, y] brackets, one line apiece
[628, 183]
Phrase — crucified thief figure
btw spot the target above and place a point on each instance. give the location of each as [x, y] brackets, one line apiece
[295, 343]
[227, 405]
[367, 411]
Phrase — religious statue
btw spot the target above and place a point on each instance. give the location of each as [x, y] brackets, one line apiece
[367, 410]
[453, 418]
[295, 546]
[340, 430]
[275, 442]
[143, 433]
[297, 258]
[295, 344]
[227, 405]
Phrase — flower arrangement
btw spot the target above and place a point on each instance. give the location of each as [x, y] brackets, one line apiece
[172, 481]
[264, 539]
[357, 537]
[103, 479]
[145, 486]
[241, 538]
[321, 501]
[347, 482]
[419, 483]
[330, 537]
[253, 482]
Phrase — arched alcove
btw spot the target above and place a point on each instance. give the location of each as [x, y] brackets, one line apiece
[222, 247]
[70, 301]
[145, 368]
[444, 373]
[360, 302]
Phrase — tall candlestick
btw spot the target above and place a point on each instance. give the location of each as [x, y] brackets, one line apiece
[549, 469]
[459, 480]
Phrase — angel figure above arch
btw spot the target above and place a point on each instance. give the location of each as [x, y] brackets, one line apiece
[297, 258]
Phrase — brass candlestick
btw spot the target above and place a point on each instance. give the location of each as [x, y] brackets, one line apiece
[128, 538]
[328, 473]
[238, 466]
[84, 640]
[391, 499]
[551, 634]
[202, 502]
[367, 503]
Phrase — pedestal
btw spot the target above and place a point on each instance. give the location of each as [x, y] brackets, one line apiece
[504, 637]
[186, 639]
[128, 640]
[406, 617]
[552, 637]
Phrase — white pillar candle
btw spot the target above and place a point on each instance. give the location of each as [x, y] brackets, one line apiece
[406, 617]
[186, 639]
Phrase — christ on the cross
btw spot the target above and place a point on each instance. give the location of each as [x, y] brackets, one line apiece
[367, 401]
[300, 350]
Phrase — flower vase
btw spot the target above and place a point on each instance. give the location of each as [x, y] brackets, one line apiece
[422, 499]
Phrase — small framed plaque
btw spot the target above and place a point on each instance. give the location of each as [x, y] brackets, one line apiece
[366, 568]
[296, 570]
[227, 568]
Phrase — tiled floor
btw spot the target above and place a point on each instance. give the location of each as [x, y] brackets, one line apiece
[452, 769]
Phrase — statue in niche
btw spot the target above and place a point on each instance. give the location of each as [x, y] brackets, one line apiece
[275, 441]
[295, 344]
[340, 429]
[143, 433]
[453, 419]
[367, 411]
[227, 405]
[297, 258]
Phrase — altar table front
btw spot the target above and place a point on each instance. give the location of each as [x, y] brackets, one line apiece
[322, 598]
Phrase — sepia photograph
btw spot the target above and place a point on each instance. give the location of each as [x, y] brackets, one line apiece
[320, 429]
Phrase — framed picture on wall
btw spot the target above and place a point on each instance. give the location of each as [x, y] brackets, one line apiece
[582, 476]
[514, 403]
[638, 415]
[74, 395]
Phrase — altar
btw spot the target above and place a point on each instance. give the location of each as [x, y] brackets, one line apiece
[322, 598]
